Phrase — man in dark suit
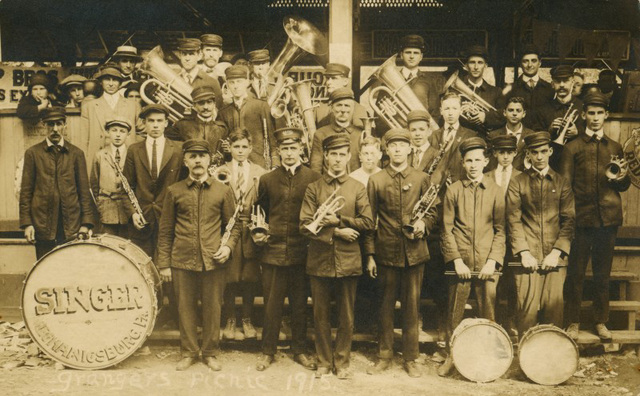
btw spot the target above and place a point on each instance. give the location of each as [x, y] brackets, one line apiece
[55, 202]
[422, 152]
[189, 52]
[514, 112]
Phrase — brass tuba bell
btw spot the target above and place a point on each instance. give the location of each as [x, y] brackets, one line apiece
[454, 83]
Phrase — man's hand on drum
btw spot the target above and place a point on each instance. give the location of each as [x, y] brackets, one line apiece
[487, 270]
[137, 221]
[30, 234]
[84, 232]
[461, 269]
[222, 255]
[551, 260]
[528, 261]
[165, 274]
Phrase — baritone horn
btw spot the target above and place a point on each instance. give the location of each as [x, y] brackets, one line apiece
[331, 206]
[474, 103]
[394, 99]
[165, 87]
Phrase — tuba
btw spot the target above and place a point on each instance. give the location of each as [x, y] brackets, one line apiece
[394, 99]
[330, 206]
[302, 113]
[164, 86]
[474, 102]
[303, 38]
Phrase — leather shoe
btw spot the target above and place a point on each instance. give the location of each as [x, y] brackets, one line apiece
[380, 366]
[305, 361]
[446, 367]
[185, 363]
[322, 371]
[343, 373]
[212, 363]
[264, 361]
[603, 332]
[573, 331]
[411, 367]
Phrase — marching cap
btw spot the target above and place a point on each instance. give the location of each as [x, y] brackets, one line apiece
[477, 50]
[341, 94]
[127, 51]
[418, 115]
[504, 142]
[53, 114]
[118, 121]
[336, 141]
[472, 143]
[595, 99]
[196, 145]
[412, 41]
[202, 92]
[211, 40]
[397, 134]
[152, 108]
[189, 44]
[239, 56]
[529, 49]
[336, 69]
[73, 79]
[111, 71]
[259, 56]
[236, 71]
[562, 71]
[40, 79]
[288, 135]
[537, 139]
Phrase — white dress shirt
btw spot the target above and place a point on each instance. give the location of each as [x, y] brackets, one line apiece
[362, 176]
[599, 134]
[112, 100]
[423, 149]
[159, 150]
[123, 152]
[499, 170]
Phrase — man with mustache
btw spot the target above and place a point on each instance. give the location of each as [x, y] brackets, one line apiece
[55, 202]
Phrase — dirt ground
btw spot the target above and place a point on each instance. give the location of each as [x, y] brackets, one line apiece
[151, 371]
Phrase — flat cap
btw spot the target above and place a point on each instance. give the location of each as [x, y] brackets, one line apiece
[127, 51]
[53, 114]
[397, 134]
[562, 71]
[472, 143]
[202, 92]
[288, 135]
[109, 71]
[595, 99]
[73, 79]
[418, 115]
[40, 79]
[537, 139]
[504, 142]
[211, 40]
[476, 50]
[189, 44]
[336, 141]
[341, 94]
[153, 108]
[259, 56]
[336, 69]
[196, 145]
[412, 41]
[118, 121]
[236, 71]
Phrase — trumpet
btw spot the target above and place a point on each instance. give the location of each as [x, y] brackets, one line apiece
[331, 206]
[613, 170]
[569, 118]
[422, 207]
[259, 225]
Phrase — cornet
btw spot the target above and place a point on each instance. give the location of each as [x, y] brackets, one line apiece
[569, 119]
[614, 168]
[331, 206]
[258, 227]
[422, 207]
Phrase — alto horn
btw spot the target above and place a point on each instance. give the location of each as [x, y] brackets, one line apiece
[454, 83]
[165, 87]
[330, 206]
[394, 99]
[303, 38]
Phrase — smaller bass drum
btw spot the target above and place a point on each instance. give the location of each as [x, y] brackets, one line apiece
[90, 304]
[548, 356]
[481, 350]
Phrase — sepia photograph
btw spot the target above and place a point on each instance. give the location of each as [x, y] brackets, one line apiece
[287, 197]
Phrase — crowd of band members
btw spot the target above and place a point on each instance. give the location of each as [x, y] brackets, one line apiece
[510, 191]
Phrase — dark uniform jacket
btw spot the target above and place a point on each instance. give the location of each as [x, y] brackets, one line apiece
[540, 213]
[392, 196]
[583, 163]
[280, 194]
[518, 160]
[194, 128]
[317, 157]
[192, 222]
[55, 187]
[330, 256]
[493, 119]
[252, 115]
[137, 170]
[535, 97]
[474, 223]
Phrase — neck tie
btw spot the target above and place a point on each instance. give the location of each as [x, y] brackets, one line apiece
[117, 155]
[449, 136]
[416, 158]
[532, 84]
[154, 161]
[240, 181]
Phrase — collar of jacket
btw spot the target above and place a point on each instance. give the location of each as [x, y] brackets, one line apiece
[63, 148]
[551, 174]
[341, 179]
[466, 182]
[339, 129]
[190, 181]
[593, 138]
[481, 87]
[392, 172]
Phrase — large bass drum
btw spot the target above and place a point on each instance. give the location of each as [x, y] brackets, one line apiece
[548, 356]
[481, 350]
[91, 304]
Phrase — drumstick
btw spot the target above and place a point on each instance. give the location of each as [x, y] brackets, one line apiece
[474, 274]
[515, 264]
